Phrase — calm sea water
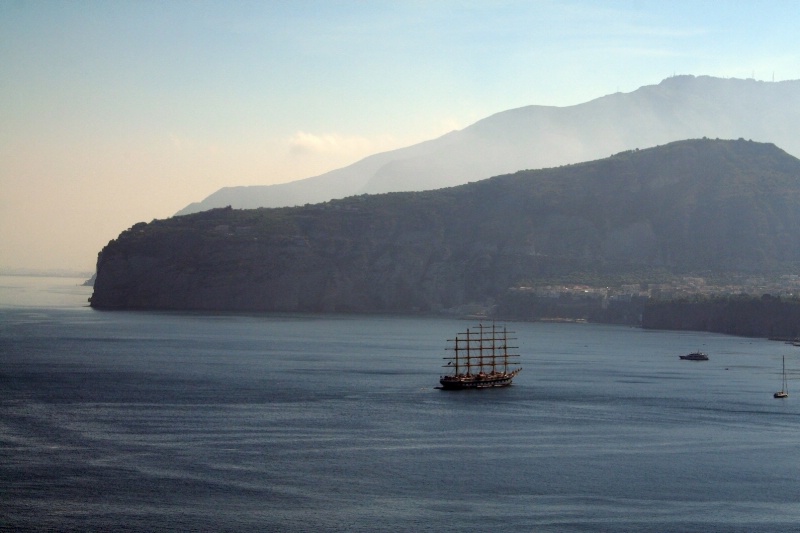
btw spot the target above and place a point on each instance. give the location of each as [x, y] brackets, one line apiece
[168, 421]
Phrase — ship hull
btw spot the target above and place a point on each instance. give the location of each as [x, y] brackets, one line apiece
[696, 356]
[461, 383]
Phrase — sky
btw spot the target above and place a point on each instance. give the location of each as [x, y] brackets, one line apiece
[114, 112]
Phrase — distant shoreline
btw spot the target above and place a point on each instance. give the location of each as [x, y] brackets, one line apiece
[57, 273]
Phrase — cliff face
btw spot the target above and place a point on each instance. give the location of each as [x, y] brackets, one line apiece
[733, 315]
[685, 207]
[327, 260]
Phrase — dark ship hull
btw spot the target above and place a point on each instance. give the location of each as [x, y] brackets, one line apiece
[502, 379]
[696, 356]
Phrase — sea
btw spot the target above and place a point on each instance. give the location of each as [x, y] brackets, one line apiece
[175, 421]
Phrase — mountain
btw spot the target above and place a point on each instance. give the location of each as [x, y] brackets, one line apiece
[533, 137]
[686, 207]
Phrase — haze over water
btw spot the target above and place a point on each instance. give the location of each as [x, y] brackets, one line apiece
[171, 421]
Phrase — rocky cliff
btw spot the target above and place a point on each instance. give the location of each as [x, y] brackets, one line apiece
[746, 316]
[701, 205]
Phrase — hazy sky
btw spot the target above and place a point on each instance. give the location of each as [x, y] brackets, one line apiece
[116, 112]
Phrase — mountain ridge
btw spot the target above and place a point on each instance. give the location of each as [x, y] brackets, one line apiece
[534, 137]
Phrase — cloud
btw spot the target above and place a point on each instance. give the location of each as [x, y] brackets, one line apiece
[303, 143]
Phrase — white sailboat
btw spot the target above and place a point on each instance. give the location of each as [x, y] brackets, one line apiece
[784, 392]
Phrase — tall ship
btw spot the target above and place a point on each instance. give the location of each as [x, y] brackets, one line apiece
[480, 359]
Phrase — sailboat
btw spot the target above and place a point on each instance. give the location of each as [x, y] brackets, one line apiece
[480, 359]
[784, 392]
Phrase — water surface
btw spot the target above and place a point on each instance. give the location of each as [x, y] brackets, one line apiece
[170, 421]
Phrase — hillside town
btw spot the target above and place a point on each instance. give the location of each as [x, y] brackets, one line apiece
[785, 286]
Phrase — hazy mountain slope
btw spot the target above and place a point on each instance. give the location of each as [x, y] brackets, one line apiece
[313, 190]
[686, 207]
[533, 137]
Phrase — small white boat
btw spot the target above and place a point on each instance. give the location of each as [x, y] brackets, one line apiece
[695, 356]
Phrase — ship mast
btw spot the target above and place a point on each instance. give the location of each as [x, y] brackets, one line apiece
[505, 349]
[493, 348]
[481, 346]
[469, 354]
[456, 354]
[480, 350]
